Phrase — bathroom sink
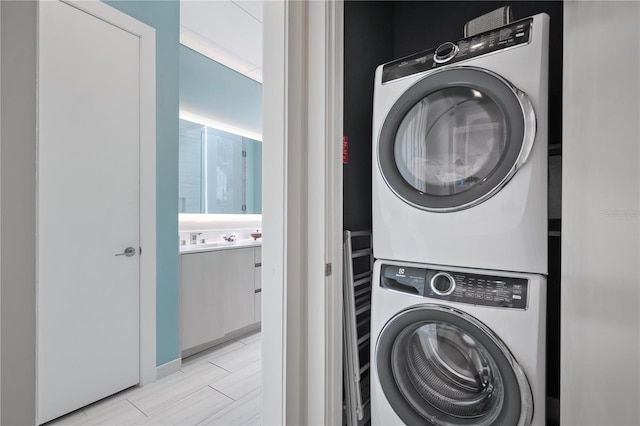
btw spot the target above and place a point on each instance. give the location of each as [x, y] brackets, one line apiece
[200, 246]
[215, 245]
[212, 244]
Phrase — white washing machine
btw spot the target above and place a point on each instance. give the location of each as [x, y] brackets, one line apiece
[460, 152]
[457, 346]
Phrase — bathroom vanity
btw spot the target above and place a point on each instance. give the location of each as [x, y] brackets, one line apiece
[220, 293]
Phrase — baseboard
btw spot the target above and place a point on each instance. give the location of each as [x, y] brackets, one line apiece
[168, 368]
[553, 410]
[227, 337]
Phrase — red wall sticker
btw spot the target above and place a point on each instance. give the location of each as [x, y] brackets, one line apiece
[345, 150]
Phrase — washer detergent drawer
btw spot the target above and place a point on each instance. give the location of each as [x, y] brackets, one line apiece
[403, 279]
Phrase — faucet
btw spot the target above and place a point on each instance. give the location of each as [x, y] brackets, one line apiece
[193, 236]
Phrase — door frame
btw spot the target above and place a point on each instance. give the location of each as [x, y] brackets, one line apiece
[147, 279]
[302, 212]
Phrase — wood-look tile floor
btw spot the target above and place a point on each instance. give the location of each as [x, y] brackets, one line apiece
[219, 386]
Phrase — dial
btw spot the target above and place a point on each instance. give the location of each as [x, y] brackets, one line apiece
[443, 284]
[445, 52]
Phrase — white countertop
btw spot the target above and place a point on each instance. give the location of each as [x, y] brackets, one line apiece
[219, 245]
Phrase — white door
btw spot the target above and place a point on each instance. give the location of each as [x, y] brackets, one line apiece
[88, 209]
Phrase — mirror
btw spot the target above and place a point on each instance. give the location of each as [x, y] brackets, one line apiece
[219, 171]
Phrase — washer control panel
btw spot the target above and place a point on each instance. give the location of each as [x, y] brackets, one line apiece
[510, 35]
[476, 289]
[445, 52]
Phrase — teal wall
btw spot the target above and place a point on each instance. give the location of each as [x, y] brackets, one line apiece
[199, 86]
[254, 177]
[211, 90]
[164, 16]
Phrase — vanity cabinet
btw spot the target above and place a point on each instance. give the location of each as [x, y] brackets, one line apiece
[238, 276]
[218, 294]
[202, 302]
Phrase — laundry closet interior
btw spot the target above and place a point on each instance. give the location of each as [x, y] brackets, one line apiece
[376, 33]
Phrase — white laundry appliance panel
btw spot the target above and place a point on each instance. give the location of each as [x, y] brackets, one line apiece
[512, 334]
[505, 226]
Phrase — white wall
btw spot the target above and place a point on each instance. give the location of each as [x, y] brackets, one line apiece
[600, 329]
[17, 218]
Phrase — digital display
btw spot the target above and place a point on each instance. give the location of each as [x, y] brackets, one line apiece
[508, 36]
[485, 290]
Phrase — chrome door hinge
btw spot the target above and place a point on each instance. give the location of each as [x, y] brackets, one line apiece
[327, 270]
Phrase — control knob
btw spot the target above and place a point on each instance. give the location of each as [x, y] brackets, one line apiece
[443, 284]
[445, 52]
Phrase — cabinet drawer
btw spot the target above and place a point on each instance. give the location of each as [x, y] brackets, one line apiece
[258, 255]
[258, 307]
[257, 278]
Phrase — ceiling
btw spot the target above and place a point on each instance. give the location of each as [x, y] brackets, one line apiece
[227, 31]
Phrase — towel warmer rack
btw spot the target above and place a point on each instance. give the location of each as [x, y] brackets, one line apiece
[357, 275]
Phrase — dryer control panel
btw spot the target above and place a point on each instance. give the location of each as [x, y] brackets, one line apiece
[447, 53]
[476, 289]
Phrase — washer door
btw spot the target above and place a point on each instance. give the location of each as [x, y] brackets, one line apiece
[440, 366]
[454, 138]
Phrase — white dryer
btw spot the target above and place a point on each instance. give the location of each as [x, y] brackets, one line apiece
[456, 346]
[460, 152]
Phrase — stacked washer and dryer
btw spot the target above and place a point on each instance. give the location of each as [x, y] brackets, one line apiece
[460, 231]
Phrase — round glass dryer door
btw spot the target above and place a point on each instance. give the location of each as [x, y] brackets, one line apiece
[455, 138]
[440, 366]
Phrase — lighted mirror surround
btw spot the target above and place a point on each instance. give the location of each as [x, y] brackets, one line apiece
[220, 172]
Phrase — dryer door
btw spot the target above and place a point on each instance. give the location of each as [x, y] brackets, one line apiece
[454, 138]
[440, 366]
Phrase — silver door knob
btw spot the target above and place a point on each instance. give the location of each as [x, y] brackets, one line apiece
[129, 251]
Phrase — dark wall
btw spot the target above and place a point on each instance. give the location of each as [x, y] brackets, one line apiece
[368, 42]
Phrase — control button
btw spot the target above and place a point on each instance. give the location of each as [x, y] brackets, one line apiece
[443, 284]
[445, 52]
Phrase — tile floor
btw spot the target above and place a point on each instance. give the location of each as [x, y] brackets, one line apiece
[219, 386]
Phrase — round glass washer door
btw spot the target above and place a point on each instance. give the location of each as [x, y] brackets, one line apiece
[455, 138]
[441, 366]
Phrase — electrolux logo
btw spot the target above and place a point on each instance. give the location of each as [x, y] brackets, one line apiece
[621, 213]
